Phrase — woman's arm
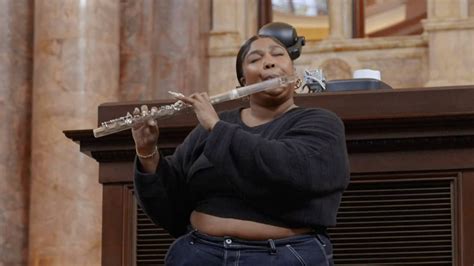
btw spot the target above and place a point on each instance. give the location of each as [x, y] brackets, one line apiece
[159, 181]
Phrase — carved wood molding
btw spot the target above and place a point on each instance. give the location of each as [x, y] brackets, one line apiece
[381, 120]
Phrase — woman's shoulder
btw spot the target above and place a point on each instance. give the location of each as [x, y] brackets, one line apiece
[316, 117]
[312, 112]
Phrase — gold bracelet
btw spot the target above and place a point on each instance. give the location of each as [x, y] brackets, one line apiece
[148, 155]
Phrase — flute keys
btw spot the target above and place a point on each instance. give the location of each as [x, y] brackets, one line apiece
[128, 119]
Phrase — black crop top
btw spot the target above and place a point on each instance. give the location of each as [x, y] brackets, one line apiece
[289, 172]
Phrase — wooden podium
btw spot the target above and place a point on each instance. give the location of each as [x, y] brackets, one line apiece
[411, 197]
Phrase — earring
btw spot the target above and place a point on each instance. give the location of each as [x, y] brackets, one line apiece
[298, 84]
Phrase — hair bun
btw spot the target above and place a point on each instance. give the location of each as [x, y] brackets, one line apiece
[286, 34]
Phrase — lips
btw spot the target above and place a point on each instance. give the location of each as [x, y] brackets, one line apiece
[271, 76]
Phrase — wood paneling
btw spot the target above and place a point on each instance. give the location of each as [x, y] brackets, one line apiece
[412, 167]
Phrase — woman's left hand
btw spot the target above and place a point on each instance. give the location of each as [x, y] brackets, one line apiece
[205, 112]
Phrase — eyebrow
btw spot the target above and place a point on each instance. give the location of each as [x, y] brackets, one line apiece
[273, 47]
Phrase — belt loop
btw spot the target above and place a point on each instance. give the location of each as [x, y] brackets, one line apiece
[272, 246]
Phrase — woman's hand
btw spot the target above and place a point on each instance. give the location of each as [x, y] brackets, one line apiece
[205, 112]
[146, 135]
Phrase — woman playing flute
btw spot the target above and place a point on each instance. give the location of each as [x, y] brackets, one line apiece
[250, 186]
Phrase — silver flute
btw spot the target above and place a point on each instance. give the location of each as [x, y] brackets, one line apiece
[165, 111]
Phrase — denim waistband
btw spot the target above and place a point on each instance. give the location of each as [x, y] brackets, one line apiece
[270, 244]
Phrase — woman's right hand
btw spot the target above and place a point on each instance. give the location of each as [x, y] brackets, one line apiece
[145, 135]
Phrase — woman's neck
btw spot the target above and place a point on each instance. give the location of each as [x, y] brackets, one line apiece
[258, 114]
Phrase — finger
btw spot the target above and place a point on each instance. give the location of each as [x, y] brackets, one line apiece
[136, 111]
[206, 96]
[136, 125]
[151, 122]
[151, 130]
[199, 97]
[144, 109]
[187, 100]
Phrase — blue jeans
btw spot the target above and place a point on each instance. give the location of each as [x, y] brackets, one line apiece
[198, 249]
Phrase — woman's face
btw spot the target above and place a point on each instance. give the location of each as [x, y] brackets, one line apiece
[265, 60]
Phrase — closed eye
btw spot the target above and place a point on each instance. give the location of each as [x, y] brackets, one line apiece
[254, 59]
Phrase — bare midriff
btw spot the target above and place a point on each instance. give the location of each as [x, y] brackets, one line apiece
[243, 229]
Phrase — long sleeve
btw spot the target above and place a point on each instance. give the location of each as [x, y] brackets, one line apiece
[164, 195]
[309, 159]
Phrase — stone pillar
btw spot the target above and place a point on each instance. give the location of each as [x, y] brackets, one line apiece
[76, 67]
[16, 49]
[438, 9]
[164, 47]
[180, 40]
[137, 50]
[340, 19]
[450, 33]
[471, 8]
[233, 22]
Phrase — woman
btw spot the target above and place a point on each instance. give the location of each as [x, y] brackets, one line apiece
[252, 186]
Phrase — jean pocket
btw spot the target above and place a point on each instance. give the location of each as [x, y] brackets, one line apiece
[315, 251]
[296, 254]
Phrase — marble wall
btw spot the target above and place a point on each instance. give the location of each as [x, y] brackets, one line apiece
[16, 49]
[163, 47]
[401, 60]
[438, 57]
[471, 8]
[76, 67]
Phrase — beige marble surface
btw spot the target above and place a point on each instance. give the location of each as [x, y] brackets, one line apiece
[471, 8]
[136, 49]
[340, 19]
[76, 68]
[447, 8]
[16, 34]
[451, 54]
[401, 60]
[163, 47]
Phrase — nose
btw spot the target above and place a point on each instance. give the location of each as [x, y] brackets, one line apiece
[269, 65]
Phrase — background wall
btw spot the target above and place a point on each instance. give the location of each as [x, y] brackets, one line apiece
[59, 59]
[16, 58]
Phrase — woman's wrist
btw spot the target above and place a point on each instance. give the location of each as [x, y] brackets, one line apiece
[148, 161]
[147, 155]
[212, 125]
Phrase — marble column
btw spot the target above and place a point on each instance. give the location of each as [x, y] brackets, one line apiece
[180, 40]
[450, 33]
[233, 22]
[438, 9]
[16, 49]
[163, 47]
[76, 67]
[471, 8]
[340, 19]
[137, 49]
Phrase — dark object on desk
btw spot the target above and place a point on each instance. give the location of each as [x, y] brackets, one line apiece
[355, 85]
